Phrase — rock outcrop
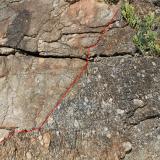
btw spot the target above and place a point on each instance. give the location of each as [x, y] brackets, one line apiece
[58, 28]
[111, 113]
[26, 83]
[113, 110]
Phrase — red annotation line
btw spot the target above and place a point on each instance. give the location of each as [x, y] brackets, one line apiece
[72, 84]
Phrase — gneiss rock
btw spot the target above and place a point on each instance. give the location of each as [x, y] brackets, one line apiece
[61, 29]
[100, 118]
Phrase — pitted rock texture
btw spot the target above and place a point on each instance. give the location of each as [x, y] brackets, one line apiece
[114, 114]
[30, 87]
[59, 28]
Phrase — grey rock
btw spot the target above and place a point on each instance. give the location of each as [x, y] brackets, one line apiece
[124, 80]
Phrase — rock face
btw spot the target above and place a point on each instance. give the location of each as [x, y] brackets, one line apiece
[26, 82]
[113, 111]
[57, 28]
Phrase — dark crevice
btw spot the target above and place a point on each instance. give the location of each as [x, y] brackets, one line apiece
[96, 56]
[38, 54]
[91, 58]
[89, 32]
[52, 56]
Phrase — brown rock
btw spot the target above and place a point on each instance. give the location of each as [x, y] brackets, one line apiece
[59, 29]
[32, 87]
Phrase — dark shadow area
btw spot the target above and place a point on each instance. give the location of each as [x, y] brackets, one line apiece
[18, 28]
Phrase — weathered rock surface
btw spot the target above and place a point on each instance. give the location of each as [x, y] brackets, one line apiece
[115, 111]
[30, 87]
[59, 28]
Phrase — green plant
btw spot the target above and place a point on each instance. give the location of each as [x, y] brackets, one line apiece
[129, 15]
[146, 39]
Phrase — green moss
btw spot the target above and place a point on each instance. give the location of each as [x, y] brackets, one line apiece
[146, 39]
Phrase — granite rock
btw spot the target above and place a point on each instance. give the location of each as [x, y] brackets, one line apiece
[88, 126]
[113, 111]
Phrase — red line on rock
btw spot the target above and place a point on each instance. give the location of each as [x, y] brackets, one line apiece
[72, 84]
